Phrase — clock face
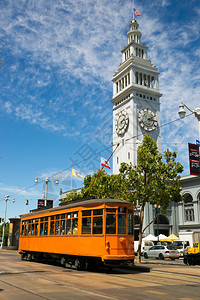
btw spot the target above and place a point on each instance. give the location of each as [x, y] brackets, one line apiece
[122, 122]
[147, 119]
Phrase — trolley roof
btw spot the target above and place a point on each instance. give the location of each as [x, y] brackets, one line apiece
[73, 204]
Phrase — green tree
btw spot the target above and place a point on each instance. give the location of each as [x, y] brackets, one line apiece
[154, 180]
[6, 232]
[99, 185]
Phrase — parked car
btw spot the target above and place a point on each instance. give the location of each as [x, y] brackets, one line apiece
[192, 259]
[161, 252]
[145, 246]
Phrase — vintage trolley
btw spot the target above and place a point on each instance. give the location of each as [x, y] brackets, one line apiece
[81, 233]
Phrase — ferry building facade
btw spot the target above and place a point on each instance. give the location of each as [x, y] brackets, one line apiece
[136, 111]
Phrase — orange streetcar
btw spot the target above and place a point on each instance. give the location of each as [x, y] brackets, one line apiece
[81, 233]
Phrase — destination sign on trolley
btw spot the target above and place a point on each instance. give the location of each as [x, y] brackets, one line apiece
[194, 159]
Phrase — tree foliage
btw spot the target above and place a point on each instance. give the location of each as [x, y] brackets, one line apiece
[105, 186]
[6, 232]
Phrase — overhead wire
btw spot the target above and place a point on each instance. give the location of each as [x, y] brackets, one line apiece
[95, 154]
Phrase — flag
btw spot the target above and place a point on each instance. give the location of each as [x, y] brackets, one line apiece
[76, 174]
[105, 163]
[136, 12]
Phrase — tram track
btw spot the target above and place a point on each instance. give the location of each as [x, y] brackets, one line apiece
[58, 276]
[64, 284]
[184, 278]
[24, 290]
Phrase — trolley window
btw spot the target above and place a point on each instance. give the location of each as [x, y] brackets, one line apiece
[52, 226]
[62, 227]
[29, 228]
[75, 223]
[122, 209]
[44, 226]
[130, 224]
[98, 212]
[110, 223]
[23, 227]
[111, 210]
[68, 225]
[97, 221]
[26, 228]
[122, 220]
[86, 225]
[86, 213]
[97, 225]
[122, 224]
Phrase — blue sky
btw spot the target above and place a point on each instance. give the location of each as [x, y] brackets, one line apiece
[59, 57]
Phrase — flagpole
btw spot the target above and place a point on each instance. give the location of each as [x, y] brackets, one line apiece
[133, 9]
[71, 181]
[101, 169]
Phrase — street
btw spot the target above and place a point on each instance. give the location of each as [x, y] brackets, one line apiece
[31, 280]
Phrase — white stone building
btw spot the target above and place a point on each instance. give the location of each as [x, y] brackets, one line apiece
[136, 111]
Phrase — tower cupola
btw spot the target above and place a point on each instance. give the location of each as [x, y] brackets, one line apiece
[134, 34]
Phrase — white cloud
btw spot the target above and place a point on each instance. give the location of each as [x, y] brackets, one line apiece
[15, 190]
[80, 42]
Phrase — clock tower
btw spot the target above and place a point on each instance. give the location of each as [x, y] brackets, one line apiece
[136, 100]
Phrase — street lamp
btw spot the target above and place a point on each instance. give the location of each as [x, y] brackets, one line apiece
[4, 221]
[157, 210]
[46, 180]
[182, 113]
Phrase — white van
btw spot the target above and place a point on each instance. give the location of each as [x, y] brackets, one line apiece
[145, 246]
[181, 246]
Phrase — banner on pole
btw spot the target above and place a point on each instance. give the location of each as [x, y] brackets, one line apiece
[194, 159]
[41, 203]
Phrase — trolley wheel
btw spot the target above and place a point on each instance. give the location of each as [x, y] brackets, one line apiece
[161, 256]
[62, 261]
[185, 260]
[29, 257]
[23, 256]
[146, 255]
[190, 261]
[81, 264]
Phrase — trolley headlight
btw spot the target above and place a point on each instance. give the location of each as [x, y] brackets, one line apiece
[107, 245]
[122, 239]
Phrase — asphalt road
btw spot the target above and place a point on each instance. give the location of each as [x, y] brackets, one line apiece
[32, 280]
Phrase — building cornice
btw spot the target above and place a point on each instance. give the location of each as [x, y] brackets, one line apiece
[134, 43]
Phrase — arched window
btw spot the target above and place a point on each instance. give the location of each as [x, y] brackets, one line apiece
[198, 197]
[188, 208]
[162, 220]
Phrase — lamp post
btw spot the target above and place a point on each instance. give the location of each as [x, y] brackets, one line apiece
[4, 221]
[157, 209]
[46, 180]
[182, 113]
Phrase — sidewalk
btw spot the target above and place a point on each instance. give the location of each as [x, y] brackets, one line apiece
[9, 250]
